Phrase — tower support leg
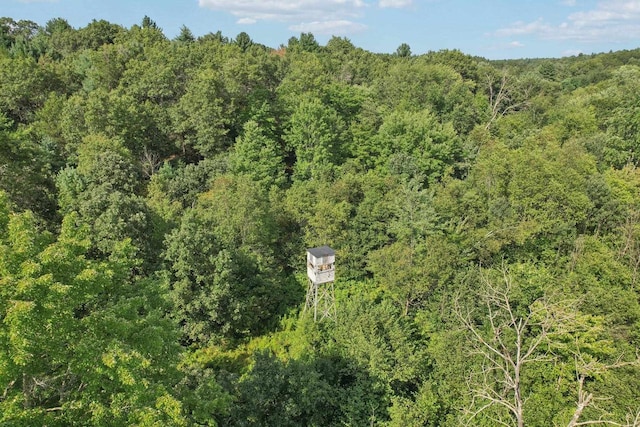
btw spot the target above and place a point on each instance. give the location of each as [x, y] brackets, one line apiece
[321, 299]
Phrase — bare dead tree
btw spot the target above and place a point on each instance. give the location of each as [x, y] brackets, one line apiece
[584, 399]
[507, 348]
[150, 162]
[502, 99]
[588, 368]
[513, 339]
[630, 249]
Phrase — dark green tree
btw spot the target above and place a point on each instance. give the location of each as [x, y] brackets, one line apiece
[185, 36]
[403, 51]
[226, 279]
[149, 23]
[201, 116]
[243, 41]
[257, 156]
[315, 137]
[416, 145]
[97, 34]
[79, 337]
[26, 172]
[102, 190]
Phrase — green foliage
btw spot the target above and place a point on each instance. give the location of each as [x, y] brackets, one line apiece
[199, 115]
[24, 85]
[225, 275]
[243, 41]
[376, 338]
[102, 190]
[305, 43]
[403, 51]
[284, 394]
[79, 337]
[534, 198]
[157, 197]
[185, 36]
[257, 156]
[305, 75]
[314, 135]
[418, 85]
[412, 273]
[416, 145]
[98, 33]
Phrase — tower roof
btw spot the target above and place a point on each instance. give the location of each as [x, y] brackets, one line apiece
[321, 251]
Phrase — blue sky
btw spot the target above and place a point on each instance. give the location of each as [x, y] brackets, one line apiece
[496, 29]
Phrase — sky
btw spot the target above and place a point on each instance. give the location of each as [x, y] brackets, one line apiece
[493, 29]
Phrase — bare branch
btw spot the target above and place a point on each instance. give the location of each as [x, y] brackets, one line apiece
[6, 390]
[585, 399]
[501, 101]
[514, 340]
[150, 162]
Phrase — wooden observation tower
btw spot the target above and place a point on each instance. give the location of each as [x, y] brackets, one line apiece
[321, 272]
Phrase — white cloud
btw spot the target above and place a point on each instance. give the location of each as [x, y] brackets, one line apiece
[333, 17]
[522, 28]
[335, 28]
[505, 46]
[288, 10]
[610, 21]
[247, 21]
[395, 3]
[608, 13]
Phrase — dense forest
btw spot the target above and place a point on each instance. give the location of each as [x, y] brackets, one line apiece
[157, 198]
